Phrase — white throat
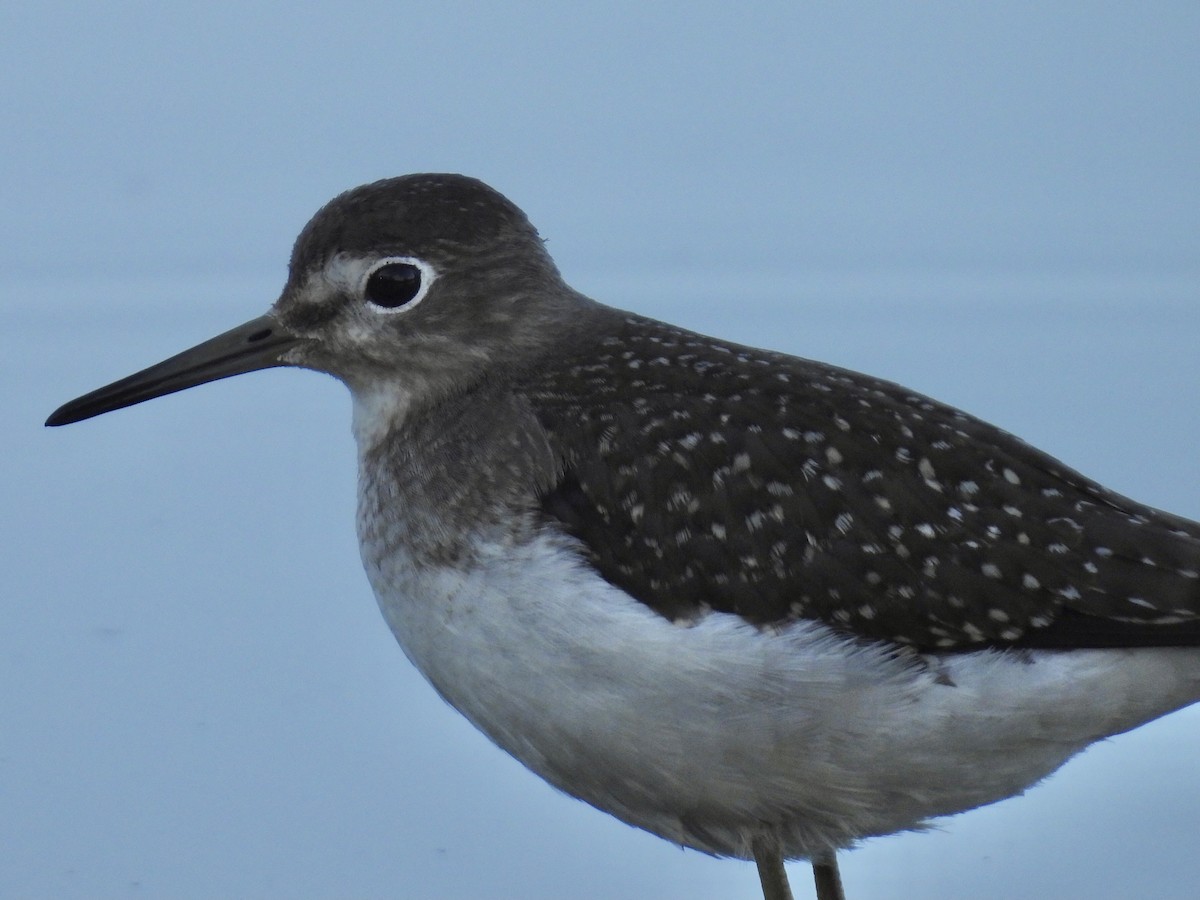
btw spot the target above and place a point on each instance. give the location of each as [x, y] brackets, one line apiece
[377, 410]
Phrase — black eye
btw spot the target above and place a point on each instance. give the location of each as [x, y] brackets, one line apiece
[393, 285]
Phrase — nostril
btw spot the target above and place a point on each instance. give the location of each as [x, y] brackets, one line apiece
[259, 336]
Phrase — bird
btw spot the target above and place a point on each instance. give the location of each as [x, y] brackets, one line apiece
[757, 605]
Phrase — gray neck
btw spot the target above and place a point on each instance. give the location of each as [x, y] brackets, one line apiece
[437, 479]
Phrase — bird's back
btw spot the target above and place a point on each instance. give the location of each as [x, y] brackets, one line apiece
[700, 475]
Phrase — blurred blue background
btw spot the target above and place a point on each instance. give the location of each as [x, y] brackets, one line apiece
[998, 205]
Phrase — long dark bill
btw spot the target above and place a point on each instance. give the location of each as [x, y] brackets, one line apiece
[258, 344]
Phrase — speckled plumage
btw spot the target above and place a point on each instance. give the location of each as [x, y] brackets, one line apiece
[705, 476]
[753, 604]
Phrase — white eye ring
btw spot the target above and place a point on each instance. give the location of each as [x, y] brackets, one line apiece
[428, 276]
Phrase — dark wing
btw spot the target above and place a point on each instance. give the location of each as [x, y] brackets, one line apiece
[699, 475]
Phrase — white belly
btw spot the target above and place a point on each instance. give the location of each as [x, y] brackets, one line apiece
[709, 733]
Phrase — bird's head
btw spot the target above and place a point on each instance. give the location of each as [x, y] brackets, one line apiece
[405, 289]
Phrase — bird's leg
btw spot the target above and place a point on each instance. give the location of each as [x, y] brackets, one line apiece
[827, 877]
[771, 872]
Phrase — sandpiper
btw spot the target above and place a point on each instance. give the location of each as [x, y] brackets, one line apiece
[756, 605]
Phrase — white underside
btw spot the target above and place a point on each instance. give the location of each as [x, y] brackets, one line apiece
[715, 733]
